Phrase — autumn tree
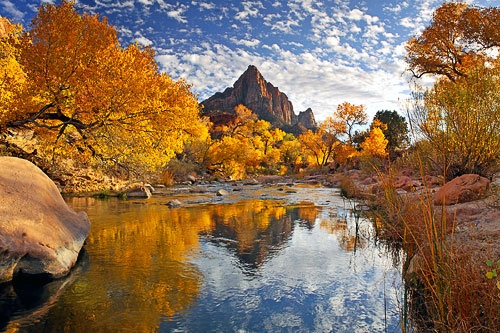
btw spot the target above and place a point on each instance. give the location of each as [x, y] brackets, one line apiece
[376, 143]
[459, 116]
[86, 96]
[457, 35]
[245, 145]
[321, 144]
[12, 76]
[291, 155]
[461, 121]
[350, 115]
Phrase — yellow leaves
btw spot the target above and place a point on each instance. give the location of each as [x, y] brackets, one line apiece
[78, 79]
[350, 115]
[12, 76]
[247, 146]
[375, 144]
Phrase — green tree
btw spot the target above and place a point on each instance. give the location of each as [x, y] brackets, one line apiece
[396, 131]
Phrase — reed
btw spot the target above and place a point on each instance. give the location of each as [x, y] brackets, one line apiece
[446, 287]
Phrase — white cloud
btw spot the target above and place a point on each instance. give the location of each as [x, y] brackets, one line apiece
[144, 41]
[178, 14]
[246, 42]
[356, 15]
[146, 2]
[250, 9]
[333, 41]
[12, 10]
[205, 5]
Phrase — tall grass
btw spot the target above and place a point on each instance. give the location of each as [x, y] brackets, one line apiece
[446, 286]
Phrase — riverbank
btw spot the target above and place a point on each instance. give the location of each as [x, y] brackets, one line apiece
[451, 251]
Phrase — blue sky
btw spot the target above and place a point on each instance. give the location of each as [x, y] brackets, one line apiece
[320, 53]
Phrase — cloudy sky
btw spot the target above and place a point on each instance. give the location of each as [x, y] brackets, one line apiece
[320, 53]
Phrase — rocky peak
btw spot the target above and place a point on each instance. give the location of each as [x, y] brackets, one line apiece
[307, 119]
[260, 96]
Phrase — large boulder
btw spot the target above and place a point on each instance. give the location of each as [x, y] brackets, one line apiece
[462, 189]
[39, 233]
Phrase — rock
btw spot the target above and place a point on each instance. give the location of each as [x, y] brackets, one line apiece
[462, 189]
[39, 233]
[139, 191]
[222, 192]
[174, 203]
[260, 96]
[306, 119]
[191, 178]
[406, 183]
[433, 181]
[251, 181]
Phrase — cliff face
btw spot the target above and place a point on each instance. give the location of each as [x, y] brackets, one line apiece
[260, 96]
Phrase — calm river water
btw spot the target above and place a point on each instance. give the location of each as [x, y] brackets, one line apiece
[267, 259]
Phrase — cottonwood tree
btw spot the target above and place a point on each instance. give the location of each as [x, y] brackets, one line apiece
[322, 143]
[461, 121]
[376, 143]
[87, 96]
[460, 115]
[350, 115]
[12, 76]
[458, 35]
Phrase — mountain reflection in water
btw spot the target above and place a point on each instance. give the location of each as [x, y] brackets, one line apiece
[254, 266]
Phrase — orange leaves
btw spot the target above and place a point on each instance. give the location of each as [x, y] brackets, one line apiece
[458, 35]
[350, 115]
[85, 93]
[246, 146]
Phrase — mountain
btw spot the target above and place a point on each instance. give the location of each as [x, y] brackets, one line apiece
[264, 99]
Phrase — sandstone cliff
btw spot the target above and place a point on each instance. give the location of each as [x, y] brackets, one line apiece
[264, 99]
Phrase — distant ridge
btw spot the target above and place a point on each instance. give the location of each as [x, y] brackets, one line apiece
[264, 99]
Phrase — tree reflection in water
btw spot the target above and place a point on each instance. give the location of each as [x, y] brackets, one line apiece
[144, 268]
[139, 269]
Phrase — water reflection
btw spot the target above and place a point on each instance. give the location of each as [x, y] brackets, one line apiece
[26, 302]
[254, 230]
[254, 265]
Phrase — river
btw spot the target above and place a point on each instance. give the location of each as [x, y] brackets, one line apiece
[277, 258]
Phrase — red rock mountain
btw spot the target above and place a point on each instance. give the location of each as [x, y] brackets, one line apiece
[264, 99]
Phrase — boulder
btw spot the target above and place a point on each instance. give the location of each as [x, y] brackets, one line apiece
[174, 203]
[141, 190]
[462, 189]
[406, 183]
[39, 233]
[222, 192]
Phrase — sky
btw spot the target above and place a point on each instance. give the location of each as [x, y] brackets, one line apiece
[319, 53]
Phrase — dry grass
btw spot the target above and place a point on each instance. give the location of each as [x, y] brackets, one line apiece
[445, 276]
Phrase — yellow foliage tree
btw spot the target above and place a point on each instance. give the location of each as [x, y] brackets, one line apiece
[350, 115]
[88, 96]
[247, 145]
[458, 36]
[322, 143]
[375, 144]
[12, 76]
